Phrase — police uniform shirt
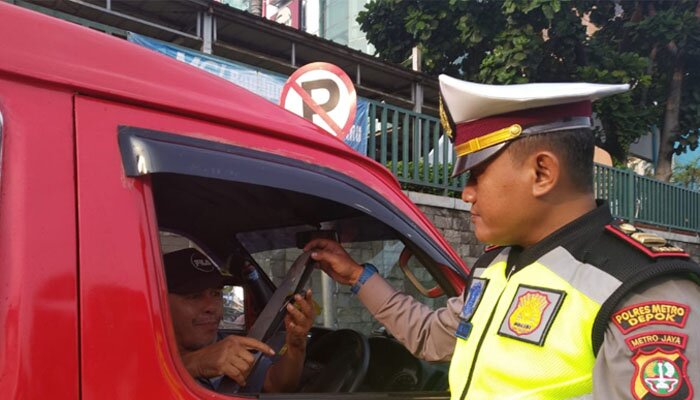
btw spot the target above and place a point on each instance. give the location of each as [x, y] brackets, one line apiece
[650, 344]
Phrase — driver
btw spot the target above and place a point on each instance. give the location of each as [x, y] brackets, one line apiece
[196, 305]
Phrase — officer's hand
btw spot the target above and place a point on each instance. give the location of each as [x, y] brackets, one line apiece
[334, 260]
[232, 356]
[298, 321]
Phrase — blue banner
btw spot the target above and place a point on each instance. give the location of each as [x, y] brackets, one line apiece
[263, 83]
[259, 81]
[357, 137]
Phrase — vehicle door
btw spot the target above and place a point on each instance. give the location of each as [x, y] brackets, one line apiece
[142, 172]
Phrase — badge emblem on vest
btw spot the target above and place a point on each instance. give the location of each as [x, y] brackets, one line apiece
[531, 314]
[660, 374]
[528, 313]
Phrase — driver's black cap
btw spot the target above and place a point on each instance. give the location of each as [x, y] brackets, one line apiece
[190, 271]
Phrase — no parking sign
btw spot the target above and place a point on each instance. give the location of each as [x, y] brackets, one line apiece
[322, 93]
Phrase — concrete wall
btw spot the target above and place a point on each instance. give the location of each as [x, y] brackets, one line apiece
[451, 216]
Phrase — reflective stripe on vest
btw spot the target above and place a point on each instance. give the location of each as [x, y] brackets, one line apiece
[531, 334]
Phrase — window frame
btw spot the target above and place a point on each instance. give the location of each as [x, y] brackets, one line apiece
[146, 151]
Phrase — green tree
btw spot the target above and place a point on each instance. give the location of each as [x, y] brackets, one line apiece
[687, 174]
[652, 45]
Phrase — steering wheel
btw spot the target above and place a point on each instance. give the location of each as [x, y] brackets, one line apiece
[270, 320]
[335, 362]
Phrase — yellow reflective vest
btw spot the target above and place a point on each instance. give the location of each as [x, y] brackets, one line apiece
[528, 335]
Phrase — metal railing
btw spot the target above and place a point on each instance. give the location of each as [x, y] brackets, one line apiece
[640, 199]
[413, 148]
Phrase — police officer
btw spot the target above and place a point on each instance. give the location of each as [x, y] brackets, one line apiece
[567, 302]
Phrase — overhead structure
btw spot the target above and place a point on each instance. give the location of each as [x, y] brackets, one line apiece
[215, 28]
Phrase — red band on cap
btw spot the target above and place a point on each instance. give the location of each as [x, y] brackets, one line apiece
[525, 118]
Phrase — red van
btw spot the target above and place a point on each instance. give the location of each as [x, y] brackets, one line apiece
[112, 154]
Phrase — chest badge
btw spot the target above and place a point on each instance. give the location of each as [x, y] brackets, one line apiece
[531, 314]
[527, 315]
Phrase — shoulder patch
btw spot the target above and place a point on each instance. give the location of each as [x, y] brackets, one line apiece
[656, 339]
[660, 374]
[650, 244]
[651, 313]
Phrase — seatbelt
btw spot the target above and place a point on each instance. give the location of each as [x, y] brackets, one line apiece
[270, 318]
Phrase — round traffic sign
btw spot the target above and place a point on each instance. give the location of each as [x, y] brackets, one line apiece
[322, 93]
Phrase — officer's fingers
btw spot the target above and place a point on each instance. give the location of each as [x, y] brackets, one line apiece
[340, 264]
[327, 269]
[325, 265]
[324, 256]
[337, 273]
[327, 247]
[319, 244]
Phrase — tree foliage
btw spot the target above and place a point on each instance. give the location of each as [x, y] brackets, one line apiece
[652, 45]
[687, 174]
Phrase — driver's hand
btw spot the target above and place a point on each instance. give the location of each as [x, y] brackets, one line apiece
[298, 321]
[232, 356]
[334, 260]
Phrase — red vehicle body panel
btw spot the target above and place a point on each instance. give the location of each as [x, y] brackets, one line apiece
[38, 244]
[81, 310]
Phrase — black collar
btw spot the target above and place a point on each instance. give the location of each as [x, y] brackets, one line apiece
[591, 223]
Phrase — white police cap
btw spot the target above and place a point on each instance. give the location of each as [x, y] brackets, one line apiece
[482, 119]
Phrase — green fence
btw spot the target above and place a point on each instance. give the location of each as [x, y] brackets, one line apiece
[640, 199]
[412, 146]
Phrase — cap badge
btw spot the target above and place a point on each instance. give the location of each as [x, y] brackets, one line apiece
[445, 121]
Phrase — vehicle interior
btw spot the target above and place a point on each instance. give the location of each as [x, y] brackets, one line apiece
[235, 222]
[262, 221]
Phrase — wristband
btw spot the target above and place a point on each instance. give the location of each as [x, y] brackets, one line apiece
[367, 271]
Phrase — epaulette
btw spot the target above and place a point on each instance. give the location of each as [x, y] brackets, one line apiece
[652, 245]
